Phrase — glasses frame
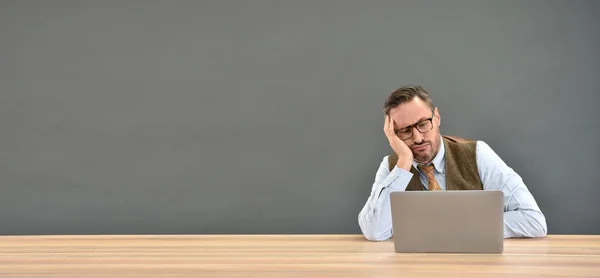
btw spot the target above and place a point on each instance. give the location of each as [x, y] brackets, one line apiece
[414, 126]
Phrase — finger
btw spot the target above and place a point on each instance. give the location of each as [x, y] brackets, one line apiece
[393, 128]
[386, 124]
[390, 127]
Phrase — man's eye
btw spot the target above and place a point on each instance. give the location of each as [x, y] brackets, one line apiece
[404, 130]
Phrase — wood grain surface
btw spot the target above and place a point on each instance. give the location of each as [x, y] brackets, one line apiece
[284, 256]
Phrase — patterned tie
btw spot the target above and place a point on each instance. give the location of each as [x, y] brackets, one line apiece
[433, 184]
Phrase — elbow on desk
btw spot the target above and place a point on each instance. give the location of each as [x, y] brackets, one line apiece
[374, 235]
[538, 232]
[373, 230]
[533, 225]
[541, 233]
[542, 229]
[538, 222]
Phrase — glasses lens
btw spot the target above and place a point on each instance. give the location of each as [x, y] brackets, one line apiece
[424, 126]
[404, 134]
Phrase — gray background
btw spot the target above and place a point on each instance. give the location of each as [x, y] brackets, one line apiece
[266, 116]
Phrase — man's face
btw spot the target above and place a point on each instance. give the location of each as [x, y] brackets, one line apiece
[424, 146]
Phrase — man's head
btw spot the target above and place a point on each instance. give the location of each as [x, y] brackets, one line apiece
[417, 121]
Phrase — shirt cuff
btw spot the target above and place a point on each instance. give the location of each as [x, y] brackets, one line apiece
[397, 180]
[401, 178]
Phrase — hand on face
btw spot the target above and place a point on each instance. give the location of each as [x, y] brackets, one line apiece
[405, 155]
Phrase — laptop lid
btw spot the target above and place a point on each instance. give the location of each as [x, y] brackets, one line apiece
[463, 221]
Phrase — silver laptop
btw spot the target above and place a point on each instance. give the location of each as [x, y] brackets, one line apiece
[462, 221]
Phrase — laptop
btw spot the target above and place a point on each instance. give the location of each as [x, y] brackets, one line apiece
[458, 221]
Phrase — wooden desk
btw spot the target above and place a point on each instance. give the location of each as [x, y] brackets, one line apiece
[284, 256]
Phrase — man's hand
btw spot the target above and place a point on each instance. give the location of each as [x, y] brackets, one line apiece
[405, 155]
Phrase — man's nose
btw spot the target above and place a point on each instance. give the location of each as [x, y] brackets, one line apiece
[417, 136]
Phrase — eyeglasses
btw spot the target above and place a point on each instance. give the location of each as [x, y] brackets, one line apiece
[422, 126]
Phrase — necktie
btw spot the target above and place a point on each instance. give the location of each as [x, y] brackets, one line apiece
[433, 184]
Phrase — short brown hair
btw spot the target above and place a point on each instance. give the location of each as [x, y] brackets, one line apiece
[406, 94]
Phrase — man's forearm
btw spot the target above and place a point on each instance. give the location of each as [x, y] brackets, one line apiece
[375, 218]
[524, 223]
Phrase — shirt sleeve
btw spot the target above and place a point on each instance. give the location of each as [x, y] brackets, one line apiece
[522, 216]
[375, 218]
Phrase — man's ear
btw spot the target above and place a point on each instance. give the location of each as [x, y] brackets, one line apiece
[437, 116]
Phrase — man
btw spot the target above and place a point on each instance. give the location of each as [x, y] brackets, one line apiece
[423, 159]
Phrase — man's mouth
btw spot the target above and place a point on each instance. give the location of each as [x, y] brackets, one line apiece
[420, 147]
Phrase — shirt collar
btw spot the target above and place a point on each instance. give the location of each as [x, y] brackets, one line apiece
[438, 161]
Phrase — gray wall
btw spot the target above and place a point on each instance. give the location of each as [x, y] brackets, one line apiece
[265, 116]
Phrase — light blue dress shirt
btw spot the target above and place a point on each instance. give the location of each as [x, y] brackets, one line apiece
[522, 216]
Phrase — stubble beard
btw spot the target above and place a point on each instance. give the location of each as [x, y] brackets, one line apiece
[424, 158]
